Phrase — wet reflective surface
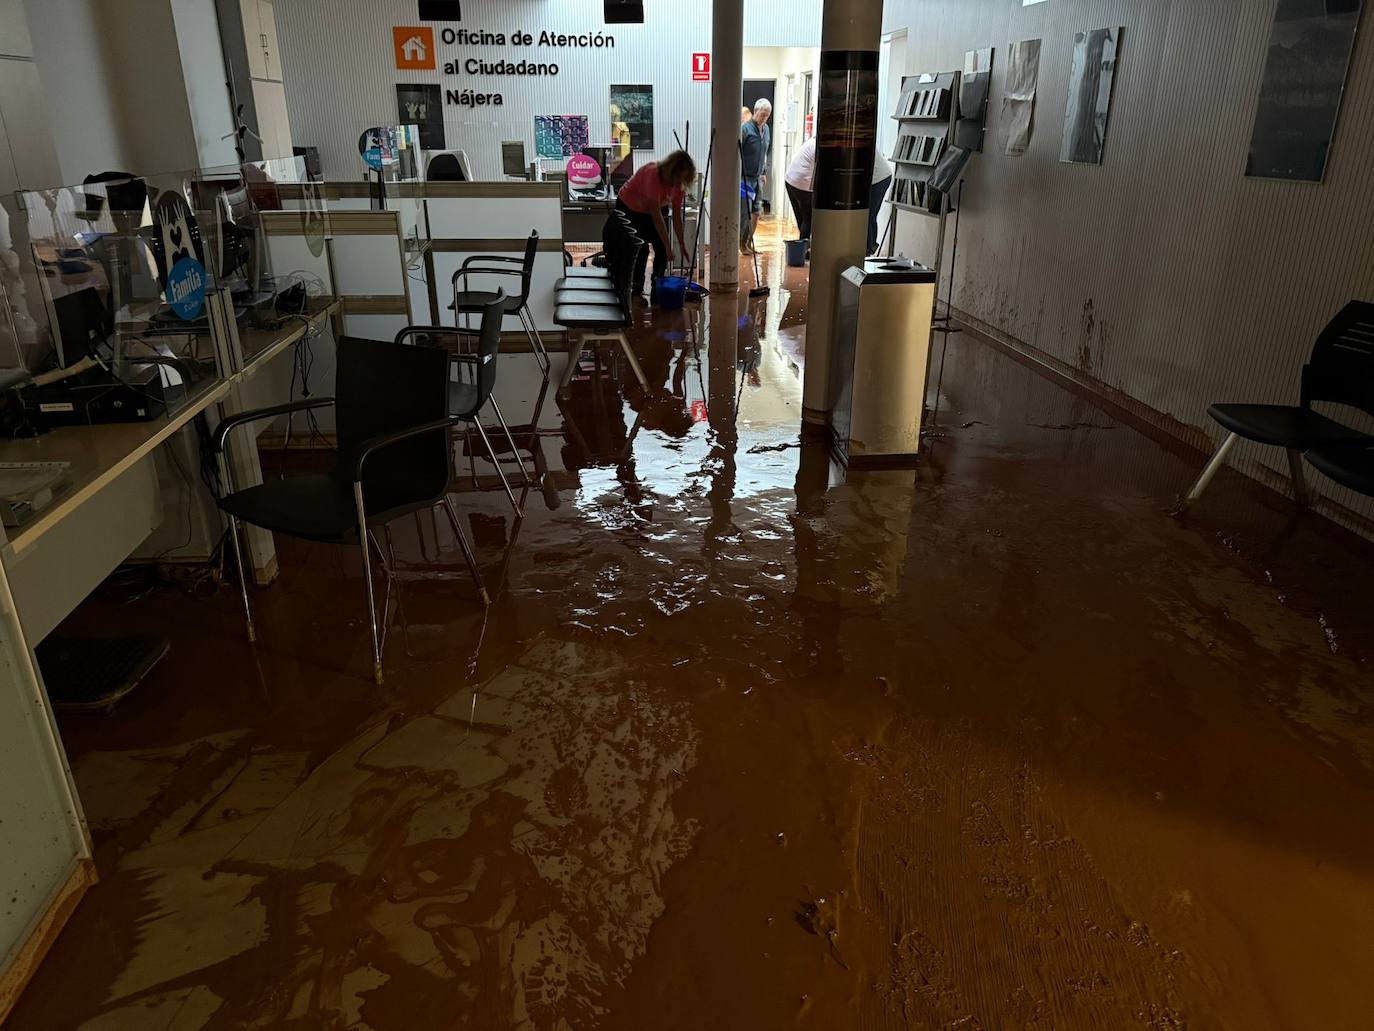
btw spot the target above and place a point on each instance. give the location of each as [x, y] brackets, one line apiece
[992, 743]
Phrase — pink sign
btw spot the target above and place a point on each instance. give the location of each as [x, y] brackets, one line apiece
[583, 170]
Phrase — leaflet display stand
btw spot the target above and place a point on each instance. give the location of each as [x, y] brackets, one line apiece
[926, 112]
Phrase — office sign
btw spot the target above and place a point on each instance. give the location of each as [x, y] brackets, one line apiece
[701, 67]
[583, 170]
[180, 261]
[414, 48]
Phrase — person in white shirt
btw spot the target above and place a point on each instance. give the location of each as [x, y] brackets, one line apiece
[882, 179]
[801, 184]
[801, 180]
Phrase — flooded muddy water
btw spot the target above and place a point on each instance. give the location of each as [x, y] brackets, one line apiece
[748, 742]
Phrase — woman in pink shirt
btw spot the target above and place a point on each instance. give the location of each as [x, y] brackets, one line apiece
[645, 198]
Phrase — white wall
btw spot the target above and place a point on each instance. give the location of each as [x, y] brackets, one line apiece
[1164, 273]
[77, 68]
[340, 83]
[27, 155]
[202, 62]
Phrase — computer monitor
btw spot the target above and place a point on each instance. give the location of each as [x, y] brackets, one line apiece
[513, 163]
[229, 204]
[623, 169]
[84, 323]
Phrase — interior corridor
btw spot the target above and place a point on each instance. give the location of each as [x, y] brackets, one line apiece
[997, 743]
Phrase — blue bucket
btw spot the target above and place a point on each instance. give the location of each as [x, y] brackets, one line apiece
[671, 291]
[796, 253]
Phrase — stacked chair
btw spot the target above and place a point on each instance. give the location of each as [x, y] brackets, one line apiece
[594, 304]
[468, 301]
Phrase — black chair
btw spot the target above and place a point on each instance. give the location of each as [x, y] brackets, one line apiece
[600, 275]
[1341, 371]
[471, 390]
[517, 304]
[393, 458]
[601, 290]
[1351, 465]
[599, 317]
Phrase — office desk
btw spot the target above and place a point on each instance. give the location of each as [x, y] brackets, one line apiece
[114, 501]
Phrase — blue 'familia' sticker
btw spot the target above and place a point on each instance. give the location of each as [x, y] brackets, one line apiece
[186, 288]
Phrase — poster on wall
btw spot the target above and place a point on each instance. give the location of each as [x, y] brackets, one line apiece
[634, 107]
[1300, 98]
[422, 105]
[974, 86]
[559, 136]
[1090, 96]
[1018, 103]
[848, 117]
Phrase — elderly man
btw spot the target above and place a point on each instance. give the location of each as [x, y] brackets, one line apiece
[756, 149]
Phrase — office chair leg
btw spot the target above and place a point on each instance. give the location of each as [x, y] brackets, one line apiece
[1210, 471]
[541, 354]
[1300, 491]
[243, 580]
[506, 429]
[482, 432]
[367, 581]
[467, 549]
[633, 359]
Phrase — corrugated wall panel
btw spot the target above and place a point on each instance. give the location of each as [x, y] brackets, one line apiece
[340, 76]
[1164, 273]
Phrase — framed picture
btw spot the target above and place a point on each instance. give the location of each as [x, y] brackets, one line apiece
[422, 105]
[1304, 79]
[559, 136]
[1090, 95]
[633, 108]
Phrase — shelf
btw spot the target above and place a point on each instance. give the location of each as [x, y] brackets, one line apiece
[908, 161]
[919, 118]
[916, 211]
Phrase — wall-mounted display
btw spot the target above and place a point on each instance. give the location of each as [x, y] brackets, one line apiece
[974, 87]
[1090, 95]
[559, 136]
[422, 105]
[1018, 103]
[847, 129]
[634, 106]
[1304, 77]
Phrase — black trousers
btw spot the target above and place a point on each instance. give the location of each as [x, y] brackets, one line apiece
[801, 207]
[648, 232]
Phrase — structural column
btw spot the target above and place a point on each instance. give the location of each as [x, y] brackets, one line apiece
[727, 86]
[846, 134]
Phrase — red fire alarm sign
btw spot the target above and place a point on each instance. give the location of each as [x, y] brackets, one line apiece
[701, 67]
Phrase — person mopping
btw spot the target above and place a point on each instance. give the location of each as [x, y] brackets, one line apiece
[646, 198]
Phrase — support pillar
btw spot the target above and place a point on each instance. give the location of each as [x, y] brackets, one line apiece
[846, 134]
[727, 86]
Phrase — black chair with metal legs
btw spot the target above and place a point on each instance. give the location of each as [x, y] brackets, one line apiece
[472, 390]
[599, 318]
[1340, 371]
[592, 276]
[393, 458]
[517, 304]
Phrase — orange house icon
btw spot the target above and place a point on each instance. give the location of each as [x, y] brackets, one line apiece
[414, 46]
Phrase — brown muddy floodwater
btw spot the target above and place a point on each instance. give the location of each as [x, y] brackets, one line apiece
[747, 744]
